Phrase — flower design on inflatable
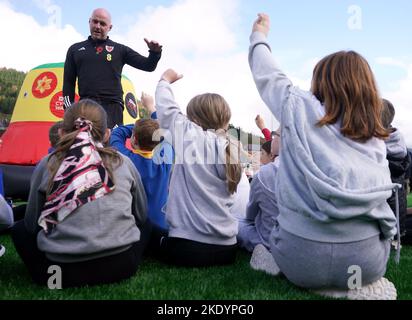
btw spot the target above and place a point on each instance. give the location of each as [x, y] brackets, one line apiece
[44, 85]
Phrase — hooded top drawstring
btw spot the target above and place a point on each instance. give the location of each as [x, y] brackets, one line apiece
[398, 248]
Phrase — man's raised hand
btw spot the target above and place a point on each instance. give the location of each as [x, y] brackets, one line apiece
[153, 45]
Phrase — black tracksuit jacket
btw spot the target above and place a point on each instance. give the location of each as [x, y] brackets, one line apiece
[98, 65]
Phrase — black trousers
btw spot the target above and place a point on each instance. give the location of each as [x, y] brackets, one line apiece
[114, 113]
[188, 253]
[104, 270]
[153, 249]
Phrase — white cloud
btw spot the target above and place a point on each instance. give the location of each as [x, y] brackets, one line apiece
[43, 4]
[30, 44]
[204, 50]
[207, 52]
[189, 27]
[402, 100]
[388, 61]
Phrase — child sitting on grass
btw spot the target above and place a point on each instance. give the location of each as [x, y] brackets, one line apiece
[202, 230]
[87, 209]
[399, 162]
[261, 214]
[153, 159]
[6, 219]
[54, 135]
[333, 180]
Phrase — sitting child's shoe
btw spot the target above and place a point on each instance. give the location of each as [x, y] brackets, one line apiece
[2, 250]
[382, 289]
[262, 260]
[395, 244]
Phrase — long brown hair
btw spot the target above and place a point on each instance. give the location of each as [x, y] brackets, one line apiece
[345, 84]
[93, 112]
[211, 111]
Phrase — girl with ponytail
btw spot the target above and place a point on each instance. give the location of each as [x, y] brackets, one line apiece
[205, 178]
[86, 211]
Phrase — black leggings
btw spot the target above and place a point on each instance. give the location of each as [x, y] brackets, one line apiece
[19, 212]
[407, 238]
[187, 253]
[104, 270]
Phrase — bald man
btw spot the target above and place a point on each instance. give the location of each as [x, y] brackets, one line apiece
[97, 65]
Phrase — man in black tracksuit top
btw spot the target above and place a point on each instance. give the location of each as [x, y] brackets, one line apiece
[97, 64]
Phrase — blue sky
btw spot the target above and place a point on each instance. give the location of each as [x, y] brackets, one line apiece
[214, 41]
[303, 28]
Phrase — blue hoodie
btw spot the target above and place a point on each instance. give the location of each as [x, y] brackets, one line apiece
[154, 168]
[329, 188]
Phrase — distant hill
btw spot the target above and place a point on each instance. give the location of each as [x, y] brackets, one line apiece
[10, 83]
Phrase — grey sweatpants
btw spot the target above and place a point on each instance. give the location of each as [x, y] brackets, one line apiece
[248, 237]
[317, 265]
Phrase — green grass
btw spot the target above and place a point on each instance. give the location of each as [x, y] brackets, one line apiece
[155, 281]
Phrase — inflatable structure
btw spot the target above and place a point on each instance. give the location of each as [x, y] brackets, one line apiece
[38, 106]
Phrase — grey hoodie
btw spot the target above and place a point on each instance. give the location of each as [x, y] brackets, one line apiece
[396, 145]
[262, 208]
[6, 214]
[106, 226]
[199, 202]
[330, 188]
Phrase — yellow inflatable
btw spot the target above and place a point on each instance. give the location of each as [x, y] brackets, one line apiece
[38, 107]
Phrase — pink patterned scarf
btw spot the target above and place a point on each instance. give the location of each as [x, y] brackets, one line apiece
[81, 178]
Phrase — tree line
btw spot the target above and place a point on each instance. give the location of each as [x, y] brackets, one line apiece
[11, 81]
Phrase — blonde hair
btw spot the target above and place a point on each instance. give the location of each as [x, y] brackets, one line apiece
[345, 84]
[92, 111]
[211, 111]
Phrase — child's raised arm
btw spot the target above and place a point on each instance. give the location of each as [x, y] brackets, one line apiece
[272, 84]
[119, 137]
[168, 112]
[148, 103]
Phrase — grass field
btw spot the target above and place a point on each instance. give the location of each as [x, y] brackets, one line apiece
[155, 281]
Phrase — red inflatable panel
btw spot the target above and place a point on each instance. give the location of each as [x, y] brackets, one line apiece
[25, 143]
